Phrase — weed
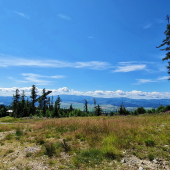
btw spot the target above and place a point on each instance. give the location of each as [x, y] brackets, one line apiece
[89, 157]
[52, 162]
[149, 142]
[57, 145]
[29, 154]
[68, 138]
[18, 132]
[8, 137]
[151, 157]
[40, 141]
[27, 168]
[49, 135]
[164, 148]
[65, 146]
[2, 143]
[111, 152]
[50, 149]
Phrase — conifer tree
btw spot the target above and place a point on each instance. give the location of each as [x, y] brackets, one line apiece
[98, 110]
[71, 108]
[16, 98]
[166, 42]
[58, 102]
[85, 105]
[33, 97]
[44, 102]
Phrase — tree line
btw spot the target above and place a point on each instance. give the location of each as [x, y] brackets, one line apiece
[43, 106]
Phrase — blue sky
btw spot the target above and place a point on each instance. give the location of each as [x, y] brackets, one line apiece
[103, 48]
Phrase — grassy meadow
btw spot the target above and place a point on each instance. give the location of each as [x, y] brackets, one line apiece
[83, 142]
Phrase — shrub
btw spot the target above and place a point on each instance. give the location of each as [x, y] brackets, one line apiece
[50, 149]
[149, 142]
[65, 146]
[111, 152]
[151, 157]
[18, 132]
[91, 156]
[40, 141]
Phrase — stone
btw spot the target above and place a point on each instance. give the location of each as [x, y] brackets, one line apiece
[140, 168]
[123, 161]
[155, 161]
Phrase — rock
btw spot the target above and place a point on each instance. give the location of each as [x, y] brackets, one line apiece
[155, 161]
[140, 168]
[124, 152]
[123, 161]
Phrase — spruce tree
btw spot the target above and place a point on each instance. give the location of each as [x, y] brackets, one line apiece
[166, 42]
[16, 98]
[85, 106]
[33, 98]
[98, 110]
[71, 108]
[58, 101]
[44, 101]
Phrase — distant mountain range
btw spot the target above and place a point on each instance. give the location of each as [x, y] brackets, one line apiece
[127, 102]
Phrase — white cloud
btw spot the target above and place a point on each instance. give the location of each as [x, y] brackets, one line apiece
[150, 67]
[37, 79]
[65, 17]
[96, 65]
[147, 26]
[7, 61]
[159, 79]
[129, 68]
[134, 94]
[163, 78]
[21, 14]
[141, 81]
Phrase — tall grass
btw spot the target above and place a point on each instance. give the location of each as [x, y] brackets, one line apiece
[104, 137]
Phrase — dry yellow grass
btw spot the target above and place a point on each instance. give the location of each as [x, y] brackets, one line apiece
[76, 141]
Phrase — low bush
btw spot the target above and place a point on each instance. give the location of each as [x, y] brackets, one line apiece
[50, 149]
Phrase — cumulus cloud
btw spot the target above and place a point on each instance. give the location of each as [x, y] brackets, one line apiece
[134, 94]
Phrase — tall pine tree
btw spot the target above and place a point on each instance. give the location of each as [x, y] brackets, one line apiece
[33, 98]
[166, 42]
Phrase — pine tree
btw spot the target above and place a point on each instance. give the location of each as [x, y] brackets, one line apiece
[16, 98]
[71, 108]
[51, 104]
[166, 42]
[23, 103]
[58, 102]
[44, 102]
[85, 106]
[33, 97]
[98, 110]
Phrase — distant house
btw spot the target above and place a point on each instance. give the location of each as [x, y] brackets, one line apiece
[9, 111]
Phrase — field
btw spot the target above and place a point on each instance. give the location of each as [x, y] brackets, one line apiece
[118, 142]
[105, 108]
